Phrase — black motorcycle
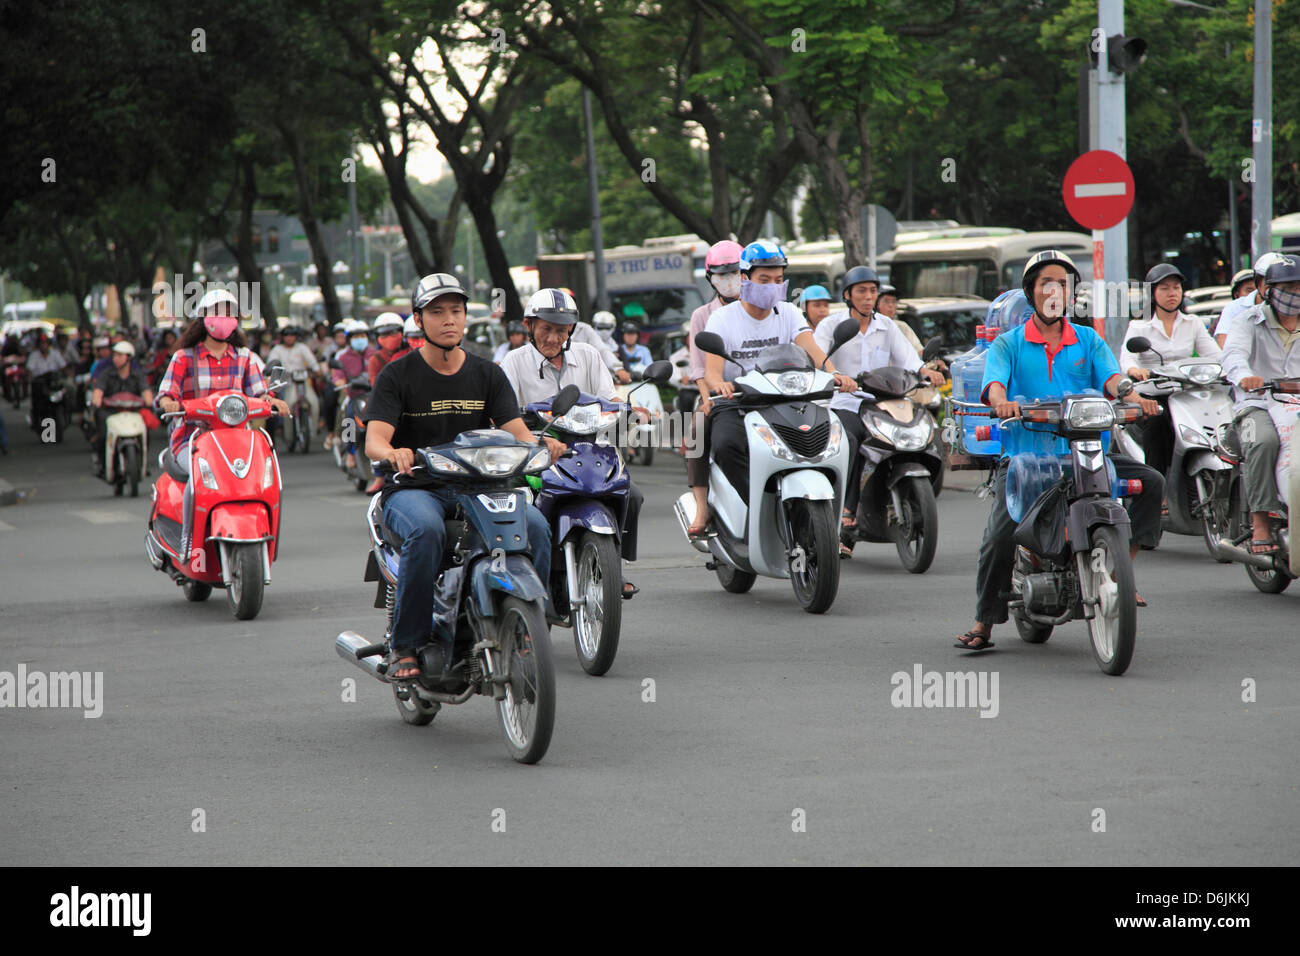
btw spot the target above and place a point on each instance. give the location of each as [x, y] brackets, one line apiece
[50, 404]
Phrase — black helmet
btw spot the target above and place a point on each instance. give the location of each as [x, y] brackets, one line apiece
[856, 276]
[1159, 273]
[1039, 261]
[1285, 268]
[289, 330]
[629, 328]
[516, 328]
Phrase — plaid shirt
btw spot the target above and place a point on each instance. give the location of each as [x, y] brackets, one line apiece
[194, 373]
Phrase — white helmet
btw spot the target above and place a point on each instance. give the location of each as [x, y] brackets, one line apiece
[604, 321]
[355, 327]
[410, 328]
[434, 285]
[1264, 261]
[552, 305]
[214, 297]
[388, 323]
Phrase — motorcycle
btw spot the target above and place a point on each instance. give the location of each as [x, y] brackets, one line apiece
[798, 467]
[1072, 543]
[1270, 573]
[489, 603]
[584, 498]
[641, 450]
[236, 507]
[128, 442]
[84, 389]
[49, 403]
[301, 420]
[350, 430]
[1200, 407]
[900, 461]
[17, 381]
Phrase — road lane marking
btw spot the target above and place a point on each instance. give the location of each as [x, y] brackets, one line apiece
[5, 526]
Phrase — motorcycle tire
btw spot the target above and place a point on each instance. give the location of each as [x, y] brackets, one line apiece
[916, 549]
[527, 711]
[1030, 632]
[815, 528]
[196, 591]
[302, 431]
[735, 580]
[412, 708]
[1266, 582]
[595, 637]
[131, 468]
[1214, 520]
[244, 595]
[1112, 636]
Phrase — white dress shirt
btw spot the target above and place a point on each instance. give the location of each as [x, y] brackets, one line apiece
[38, 364]
[536, 379]
[1233, 311]
[587, 335]
[882, 345]
[1189, 339]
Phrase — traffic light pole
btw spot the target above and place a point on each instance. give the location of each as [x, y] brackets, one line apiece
[1261, 201]
[1112, 135]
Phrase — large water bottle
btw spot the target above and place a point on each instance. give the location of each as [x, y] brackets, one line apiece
[972, 377]
[958, 383]
[1028, 476]
[1014, 311]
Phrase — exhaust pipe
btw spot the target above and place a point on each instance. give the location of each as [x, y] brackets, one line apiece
[1232, 552]
[154, 552]
[348, 643]
[684, 508]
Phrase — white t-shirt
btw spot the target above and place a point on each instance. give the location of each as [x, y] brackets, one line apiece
[1232, 312]
[745, 337]
[587, 334]
[299, 358]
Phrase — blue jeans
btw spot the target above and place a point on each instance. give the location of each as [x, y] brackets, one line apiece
[418, 516]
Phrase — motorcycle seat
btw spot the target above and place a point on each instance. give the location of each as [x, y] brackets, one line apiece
[167, 461]
[455, 528]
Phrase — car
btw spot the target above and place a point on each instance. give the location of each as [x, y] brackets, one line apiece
[1207, 310]
[483, 336]
[951, 318]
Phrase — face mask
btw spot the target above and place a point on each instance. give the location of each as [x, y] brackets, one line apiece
[220, 327]
[727, 285]
[1285, 303]
[359, 343]
[391, 342]
[762, 296]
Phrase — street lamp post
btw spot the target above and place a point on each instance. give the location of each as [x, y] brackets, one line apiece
[1261, 202]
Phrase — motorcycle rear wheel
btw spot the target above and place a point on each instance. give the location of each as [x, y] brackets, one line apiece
[734, 580]
[412, 708]
[814, 530]
[527, 712]
[196, 591]
[1113, 628]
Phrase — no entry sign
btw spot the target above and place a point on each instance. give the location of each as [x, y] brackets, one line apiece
[1098, 189]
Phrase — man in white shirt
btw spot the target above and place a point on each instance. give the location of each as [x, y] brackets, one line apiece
[587, 335]
[760, 319]
[515, 335]
[296, 356]
[1238, 307]
[551, 360]
[1176, 336]
[880, 343]
[44, 358]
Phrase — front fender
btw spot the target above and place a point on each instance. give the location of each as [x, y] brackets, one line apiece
[515, 575]
[805, 483]
[1087, 513]
[912, 469]
[589, 516]
[1196, 462]
[240, 521]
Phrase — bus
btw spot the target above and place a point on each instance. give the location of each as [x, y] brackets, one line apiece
[984, 266]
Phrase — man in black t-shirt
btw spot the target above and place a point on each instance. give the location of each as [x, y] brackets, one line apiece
[118, 377]
[428, 397]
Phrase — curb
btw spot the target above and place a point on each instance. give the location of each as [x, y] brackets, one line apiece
[8, 493]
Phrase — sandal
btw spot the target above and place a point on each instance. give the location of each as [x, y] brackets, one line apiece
[1264, 546]
[845, 551]
[402, 660]
[979, 642]
[848, 521]
[629, 589]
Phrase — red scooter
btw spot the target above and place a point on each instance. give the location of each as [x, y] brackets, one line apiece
[236, 505]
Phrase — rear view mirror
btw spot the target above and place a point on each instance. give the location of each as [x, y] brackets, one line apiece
[933, 349]
[846, 330]
[565, 400]
[1124, 387]
[658, 372]
[1138, 344]
[711, 342]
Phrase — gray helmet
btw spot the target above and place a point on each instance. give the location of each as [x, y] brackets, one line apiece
[434, 285]
[1159, 273]
[1285, 268]
[856, 276]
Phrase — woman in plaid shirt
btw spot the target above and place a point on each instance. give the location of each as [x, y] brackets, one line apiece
[210, 357]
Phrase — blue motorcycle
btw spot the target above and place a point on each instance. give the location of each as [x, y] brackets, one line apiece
[584, 497]
[489, 603]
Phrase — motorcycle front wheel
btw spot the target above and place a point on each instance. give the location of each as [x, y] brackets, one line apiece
[1107, 577]
[244, 596]
[916, 533]
[131, 468]
[815, 566]
[1214, 508]
[527, 711]
[597, 621]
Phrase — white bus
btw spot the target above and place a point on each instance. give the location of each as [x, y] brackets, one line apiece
[982, 266]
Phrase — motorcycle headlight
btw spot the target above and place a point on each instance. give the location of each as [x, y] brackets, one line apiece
[903, 437]
[436, 462]
[778, 447]
[205, 473]
[794, 382]
[833, 443]
[232, 410]
[1193, 437]
[1204, 374]
[1089, 414]
[540, 461]
[586, 419]
[495, 459]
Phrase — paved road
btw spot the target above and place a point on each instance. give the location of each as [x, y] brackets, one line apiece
[760, 710]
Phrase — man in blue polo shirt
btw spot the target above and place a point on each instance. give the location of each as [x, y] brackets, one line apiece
[1047, 358]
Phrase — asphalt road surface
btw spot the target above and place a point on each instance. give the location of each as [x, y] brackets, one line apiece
[771, 737]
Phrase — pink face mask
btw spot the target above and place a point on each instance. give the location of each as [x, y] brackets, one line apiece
[220, 327]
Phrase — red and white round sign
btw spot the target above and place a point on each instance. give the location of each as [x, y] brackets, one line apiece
[1098, 189]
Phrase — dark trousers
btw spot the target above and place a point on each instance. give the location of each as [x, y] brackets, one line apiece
[730, 446]
[329, 406]
[101, 432]
[634, 500]
[998, 551]
[855, 434]
[1157, 435]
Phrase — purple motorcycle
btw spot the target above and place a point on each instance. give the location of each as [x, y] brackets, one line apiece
[585, 496]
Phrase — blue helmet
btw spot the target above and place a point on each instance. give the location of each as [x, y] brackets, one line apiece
[815, 293]
[761, 253]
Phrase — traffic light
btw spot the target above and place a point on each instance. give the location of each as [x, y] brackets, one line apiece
[1125, 54]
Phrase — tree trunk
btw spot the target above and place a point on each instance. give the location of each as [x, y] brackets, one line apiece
[249, 270]
[480, 207]
[311, 228]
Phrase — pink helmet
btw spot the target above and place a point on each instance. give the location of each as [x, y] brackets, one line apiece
[722, 257]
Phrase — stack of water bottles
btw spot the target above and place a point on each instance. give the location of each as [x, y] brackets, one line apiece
[1008, 311]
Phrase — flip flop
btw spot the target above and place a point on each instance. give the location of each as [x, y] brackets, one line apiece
[395, 660]
[982, 642]
[848, 521]
[629, 589]
[1264, 546]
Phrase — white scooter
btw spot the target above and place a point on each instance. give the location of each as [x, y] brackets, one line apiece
[798, 470]
[127, 448]
[645, 436]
